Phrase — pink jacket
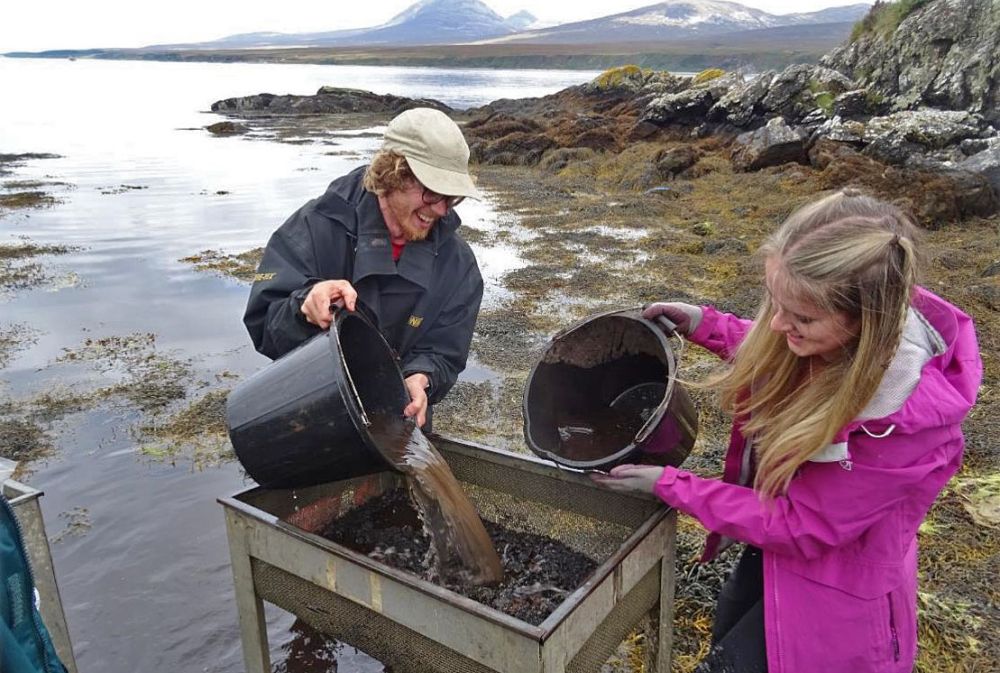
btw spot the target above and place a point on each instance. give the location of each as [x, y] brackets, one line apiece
[840, 551]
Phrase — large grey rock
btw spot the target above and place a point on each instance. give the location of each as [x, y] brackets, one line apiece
[945, 54]
[986, 164]
[897, 137]
[772, 144]
[720, 86]
[687, 105]
[856, 103]
[692, 103]
[799, 89]
[740, 106]
[841, 131]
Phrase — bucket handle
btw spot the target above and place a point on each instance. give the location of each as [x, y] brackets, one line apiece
[668, 326]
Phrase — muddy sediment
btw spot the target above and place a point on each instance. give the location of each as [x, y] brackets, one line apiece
[538, 572]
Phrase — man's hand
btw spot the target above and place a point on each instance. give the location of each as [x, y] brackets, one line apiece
[629, 478]
[316, 307]
[416, 385]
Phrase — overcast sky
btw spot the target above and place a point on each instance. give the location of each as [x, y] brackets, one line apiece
[34, 25]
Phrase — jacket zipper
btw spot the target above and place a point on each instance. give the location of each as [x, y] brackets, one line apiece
[892, 630]
[31, 584]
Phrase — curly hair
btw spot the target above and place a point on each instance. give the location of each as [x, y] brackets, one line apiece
[387, 172]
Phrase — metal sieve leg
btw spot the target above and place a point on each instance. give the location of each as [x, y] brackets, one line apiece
[253, 628]
[665, 635]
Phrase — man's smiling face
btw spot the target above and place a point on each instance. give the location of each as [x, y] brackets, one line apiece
[408, 217]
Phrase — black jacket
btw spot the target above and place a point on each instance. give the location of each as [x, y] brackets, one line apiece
[426, 304]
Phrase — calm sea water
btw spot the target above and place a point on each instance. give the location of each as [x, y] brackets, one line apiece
[147, 586]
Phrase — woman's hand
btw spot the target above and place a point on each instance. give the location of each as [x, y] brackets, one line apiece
[685, 316]
[629, 478]
[316, 306]
[416, 385]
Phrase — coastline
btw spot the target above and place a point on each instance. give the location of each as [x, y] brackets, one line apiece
[683, 55]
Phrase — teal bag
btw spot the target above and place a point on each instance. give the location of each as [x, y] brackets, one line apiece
[25, 644]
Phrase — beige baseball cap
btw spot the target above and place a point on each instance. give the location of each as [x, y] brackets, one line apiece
[434, 149]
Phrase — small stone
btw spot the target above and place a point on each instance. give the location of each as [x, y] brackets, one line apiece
[704, 229]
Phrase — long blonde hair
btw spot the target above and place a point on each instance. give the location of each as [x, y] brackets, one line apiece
[845, 253]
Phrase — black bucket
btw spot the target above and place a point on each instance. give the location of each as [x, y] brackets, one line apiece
[605, 393]
[303, 419]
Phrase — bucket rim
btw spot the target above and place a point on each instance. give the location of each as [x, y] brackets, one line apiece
[345, 383]
[647, 428]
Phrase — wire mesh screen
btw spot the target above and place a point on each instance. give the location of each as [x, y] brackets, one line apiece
[400, 648]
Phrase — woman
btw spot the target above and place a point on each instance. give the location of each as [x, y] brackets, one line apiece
[848, 393]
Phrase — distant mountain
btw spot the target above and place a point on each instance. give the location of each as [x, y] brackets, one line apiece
[679, 19]
[427, 22]
[438, 22]
[461, 22]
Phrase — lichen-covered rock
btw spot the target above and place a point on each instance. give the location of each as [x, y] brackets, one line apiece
[841, 131]
[740, 106]
[688, 105]
[626, 77]
[707, 76]
[660, 84]
[719, 86]
[772, 144]
[973, 146]
[945, 54]
[857, 103]
[799, 89]
[897, 137]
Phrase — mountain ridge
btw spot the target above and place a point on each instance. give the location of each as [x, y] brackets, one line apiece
[439, 22]
[680, 19]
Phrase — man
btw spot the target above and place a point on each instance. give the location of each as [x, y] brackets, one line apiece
[386, 236]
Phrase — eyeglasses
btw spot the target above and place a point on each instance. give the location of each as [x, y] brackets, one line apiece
[431, 197]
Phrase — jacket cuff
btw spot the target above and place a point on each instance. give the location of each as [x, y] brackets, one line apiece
[298, 298]
[417, 369]
[706, 323]
[665, 486]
